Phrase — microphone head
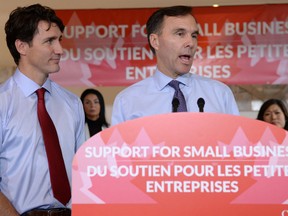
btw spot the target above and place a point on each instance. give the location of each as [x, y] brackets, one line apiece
[201, 102]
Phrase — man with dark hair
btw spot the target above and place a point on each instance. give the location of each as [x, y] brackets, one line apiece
[41, 123]
[173, 37]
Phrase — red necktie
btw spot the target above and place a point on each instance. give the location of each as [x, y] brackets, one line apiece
[58, 175]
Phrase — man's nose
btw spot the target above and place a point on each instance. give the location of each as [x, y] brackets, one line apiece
[58, 49]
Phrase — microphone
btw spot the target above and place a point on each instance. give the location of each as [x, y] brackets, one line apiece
[175, 104]
[201, 103]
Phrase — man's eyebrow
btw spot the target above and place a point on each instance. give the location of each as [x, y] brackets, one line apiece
[54, 38]
[179, 29]
[196, 32]
[183, 29]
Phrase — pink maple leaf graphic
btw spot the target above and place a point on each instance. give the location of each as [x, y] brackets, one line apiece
[270, 185]
[122, 188]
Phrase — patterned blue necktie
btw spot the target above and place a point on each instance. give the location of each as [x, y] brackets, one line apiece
[179, 95]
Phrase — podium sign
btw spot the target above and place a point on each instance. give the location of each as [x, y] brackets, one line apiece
[183, 164]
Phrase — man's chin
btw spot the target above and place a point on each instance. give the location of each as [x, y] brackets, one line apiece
[55, 69]
[184, 71]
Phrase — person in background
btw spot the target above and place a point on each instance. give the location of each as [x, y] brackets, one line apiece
[173, 37]
[274, 111]
[94, 108]
[33, 36]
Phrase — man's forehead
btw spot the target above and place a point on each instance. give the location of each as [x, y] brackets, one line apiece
[44, 25]
[178, 21]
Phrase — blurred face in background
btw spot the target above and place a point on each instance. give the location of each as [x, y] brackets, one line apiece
[274, 115]
[91, 106]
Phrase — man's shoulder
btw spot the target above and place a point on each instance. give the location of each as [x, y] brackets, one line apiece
[6, 88]
[137, 87]
[207, 81]
[6, 83]
[64, 93]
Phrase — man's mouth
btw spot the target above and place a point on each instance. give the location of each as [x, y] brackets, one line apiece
[55, 60]
[186, 58]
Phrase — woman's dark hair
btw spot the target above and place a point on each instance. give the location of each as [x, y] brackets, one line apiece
[155, 22]
[23, 25]
[102, 117]
[270, 102]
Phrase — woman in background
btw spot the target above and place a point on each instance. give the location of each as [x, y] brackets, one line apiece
[94, 108]
[274, 111]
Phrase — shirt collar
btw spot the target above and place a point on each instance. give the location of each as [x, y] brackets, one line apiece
[27, 85]
[162, 80]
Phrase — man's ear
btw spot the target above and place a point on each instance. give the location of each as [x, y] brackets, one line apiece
[154, 41]
[21, 46]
